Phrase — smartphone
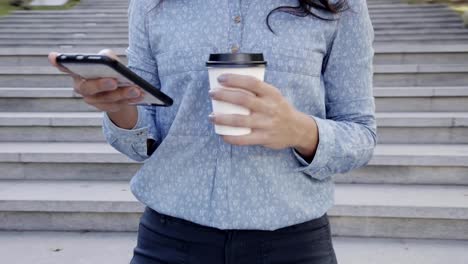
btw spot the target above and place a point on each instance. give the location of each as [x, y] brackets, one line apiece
[94, 66]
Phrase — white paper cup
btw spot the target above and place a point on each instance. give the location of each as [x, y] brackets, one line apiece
[235, 63]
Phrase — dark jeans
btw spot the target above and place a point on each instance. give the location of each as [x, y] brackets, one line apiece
[166, 239]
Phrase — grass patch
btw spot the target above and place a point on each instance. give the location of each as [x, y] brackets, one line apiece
[460, 8]
[6, 8]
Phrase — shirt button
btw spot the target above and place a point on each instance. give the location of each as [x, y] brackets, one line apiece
[237, 19]
[234, 48]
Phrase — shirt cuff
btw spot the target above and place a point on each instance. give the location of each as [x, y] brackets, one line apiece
[115, 129]
[128, 141]
[318, 168]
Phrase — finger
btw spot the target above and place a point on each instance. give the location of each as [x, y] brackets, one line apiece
[117, 106]
[252, 121]
[52, 57]
[248, 83]
[257, 137]
[251, 102]
[111, 107]
[134, 100]
[122, 93]
[92, 87]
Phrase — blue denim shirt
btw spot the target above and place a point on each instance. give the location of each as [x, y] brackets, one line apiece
[323, 68]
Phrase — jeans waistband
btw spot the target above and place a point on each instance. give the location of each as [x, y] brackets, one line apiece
[180, 227]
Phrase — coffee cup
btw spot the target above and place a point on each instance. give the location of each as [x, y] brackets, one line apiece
[251, 64]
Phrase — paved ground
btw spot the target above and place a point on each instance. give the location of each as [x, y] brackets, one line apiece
[117, 248]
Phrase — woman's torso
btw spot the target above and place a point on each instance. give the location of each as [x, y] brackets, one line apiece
[193, 174]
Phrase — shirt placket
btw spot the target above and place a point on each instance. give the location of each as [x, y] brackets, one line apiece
[235, 26]
[224, 158]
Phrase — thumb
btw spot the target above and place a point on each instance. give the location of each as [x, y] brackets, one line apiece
[110, 53]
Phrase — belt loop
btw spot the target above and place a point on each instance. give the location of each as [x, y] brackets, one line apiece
[162, 219]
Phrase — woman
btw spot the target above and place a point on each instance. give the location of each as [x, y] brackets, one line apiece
[259, 198]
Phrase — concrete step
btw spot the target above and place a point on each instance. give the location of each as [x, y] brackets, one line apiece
[117, 248]
[388, 99]
[390, 14]
[40, 31]
[51, 127]
[17, 56]
[416, 20]
[68, 247]
[384, 75]
[437, 31]
[410, 211]
[399, 127]
[87, 15]
[120, 38]
[385, 54]
[402, 5]
[417, 26]
[391, 163]
[422, 128]
[402, 251]
[393, 53]
[394, 211]
[64, 35]
[81, 25]
[381, 30]
[412, 164]
[376, 19]
[421, 99]
[406, 10]
[436, 38]
[99, 19]
[375, 13]
[41, 59]
[7, 38]
[42, 100]
[124, 25]
[122, 43]
[421, 75]
[54, 43]
[58, 152]
[64, 161]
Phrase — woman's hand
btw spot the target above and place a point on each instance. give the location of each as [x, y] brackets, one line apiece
[104, 94]
[275, 123]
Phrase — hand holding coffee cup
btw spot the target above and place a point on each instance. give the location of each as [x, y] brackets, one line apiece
[235, 63]
[269, 119]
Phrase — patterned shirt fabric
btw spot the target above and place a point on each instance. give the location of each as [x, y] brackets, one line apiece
[323, 68]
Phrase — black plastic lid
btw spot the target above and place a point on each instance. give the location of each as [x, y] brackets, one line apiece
[235, 59]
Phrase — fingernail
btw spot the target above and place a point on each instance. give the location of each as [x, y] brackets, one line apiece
[109, 84]
[222, 78]
[134, 93]
[211, 116]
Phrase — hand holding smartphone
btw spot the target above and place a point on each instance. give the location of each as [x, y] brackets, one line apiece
[98, 66]
[103, 92]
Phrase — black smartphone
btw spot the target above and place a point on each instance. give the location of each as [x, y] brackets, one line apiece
[94, 66]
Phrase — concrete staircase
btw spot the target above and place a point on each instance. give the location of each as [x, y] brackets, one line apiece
[62, 186]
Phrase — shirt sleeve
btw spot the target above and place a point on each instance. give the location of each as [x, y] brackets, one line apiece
[133, 142]
[348, 134]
